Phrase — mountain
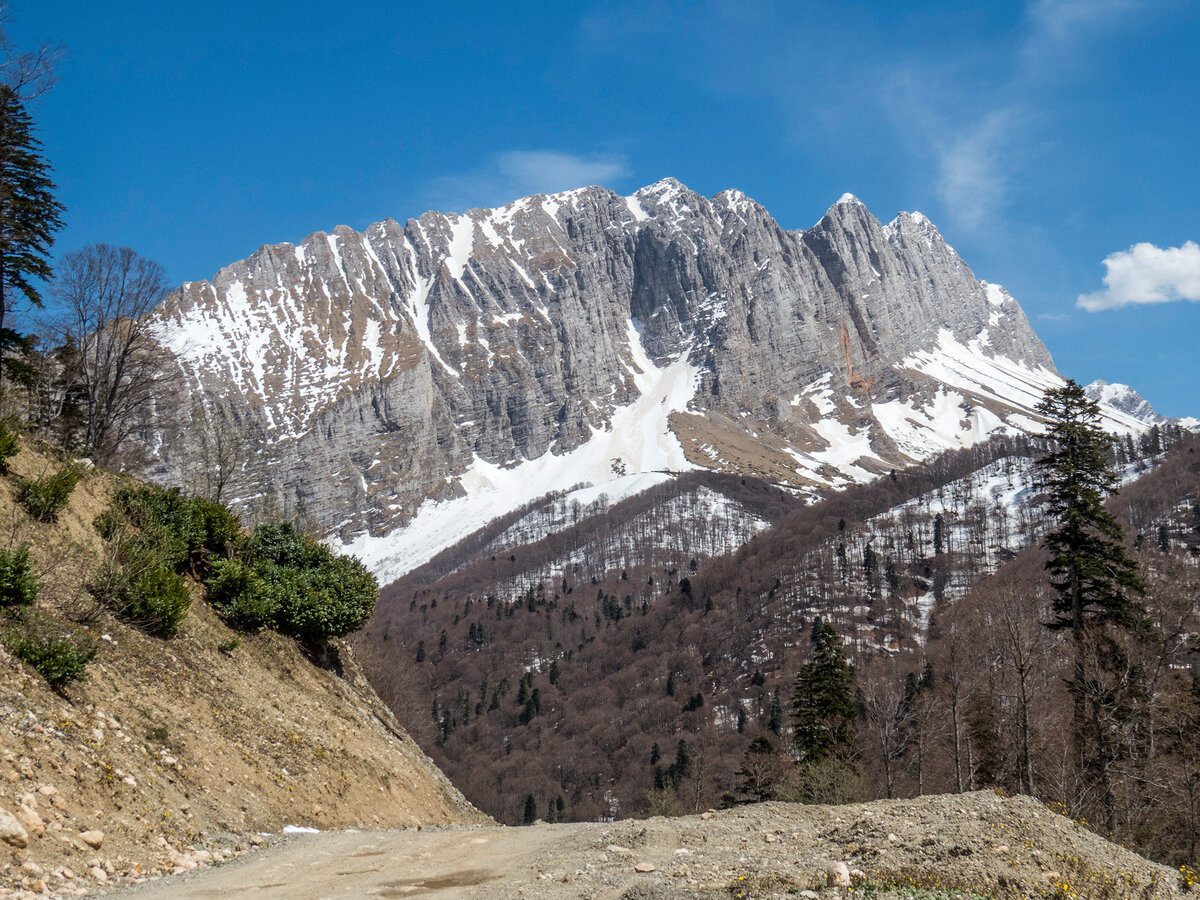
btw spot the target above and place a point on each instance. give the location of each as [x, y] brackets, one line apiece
[482, 359]
[1125, 399]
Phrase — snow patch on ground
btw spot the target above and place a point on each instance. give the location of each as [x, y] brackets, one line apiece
[639, 444]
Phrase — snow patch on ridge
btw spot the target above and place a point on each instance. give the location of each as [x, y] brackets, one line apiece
[462, 243]
[639, 443]
[970, 370]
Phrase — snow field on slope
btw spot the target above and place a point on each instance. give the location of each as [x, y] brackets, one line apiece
[969, 369]
[640, 440]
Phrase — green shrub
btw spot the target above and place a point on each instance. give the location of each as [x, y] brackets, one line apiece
[281, 544]
[185, 529]
[44, 498]
[152, 595]
[143, 590]
[331, 600]
[110, 523]
[8, 447]
[18, 583]
[292, 583]
[242, 597]
[59, 658]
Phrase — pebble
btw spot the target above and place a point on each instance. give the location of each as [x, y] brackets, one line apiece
[644, 867]
[98, 873]
[12, 832]
[93, 838]
[29, 817]
[837, 875]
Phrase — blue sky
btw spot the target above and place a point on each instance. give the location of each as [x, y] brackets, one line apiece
[1043, 138]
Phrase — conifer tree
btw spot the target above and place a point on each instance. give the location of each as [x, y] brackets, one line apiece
[1094, 580]
[1092, 575]
[29, 214]
[824, 708]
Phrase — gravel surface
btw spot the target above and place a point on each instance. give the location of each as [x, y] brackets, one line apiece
[967, 845]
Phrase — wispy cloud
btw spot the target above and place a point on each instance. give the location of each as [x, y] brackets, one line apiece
[520, 173]
[982, 143]
[1056, 21]
[1054, 317]
[1147, 274]
[973, 174]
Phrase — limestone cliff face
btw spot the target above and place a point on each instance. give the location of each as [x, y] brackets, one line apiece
[371, 369]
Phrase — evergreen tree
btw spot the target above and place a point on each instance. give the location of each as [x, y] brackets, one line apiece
[1090, 571]
[530, 814]
[1164, 538]
[29, 214]
[823, 704]
[1093, 578]
[775, 717]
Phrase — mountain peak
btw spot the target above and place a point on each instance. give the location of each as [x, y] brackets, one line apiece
[663, 188]
[1124, 398]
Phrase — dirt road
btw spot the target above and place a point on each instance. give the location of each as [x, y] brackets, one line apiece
[967, 845]
[430, 863]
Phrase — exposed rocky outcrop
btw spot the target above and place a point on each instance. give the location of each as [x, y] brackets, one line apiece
[373, 368]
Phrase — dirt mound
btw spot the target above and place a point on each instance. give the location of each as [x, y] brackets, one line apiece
[176, 752]
[968, 846]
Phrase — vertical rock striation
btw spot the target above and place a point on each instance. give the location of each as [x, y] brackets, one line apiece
[373, 368]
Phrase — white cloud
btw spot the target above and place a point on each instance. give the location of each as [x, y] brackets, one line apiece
[983, 138]
[1061, 20]
[1147, 274]
[1054, 317]
[520, 173]
[973, 171]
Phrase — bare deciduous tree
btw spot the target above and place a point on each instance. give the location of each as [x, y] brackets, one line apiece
[28, 72]
[222, 452]
[126, 378]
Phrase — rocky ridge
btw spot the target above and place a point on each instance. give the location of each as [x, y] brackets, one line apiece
[381, 369]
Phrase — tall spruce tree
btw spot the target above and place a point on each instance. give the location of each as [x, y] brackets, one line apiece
[1095, 582]
[823, 705]
[29, 214]
[1093, 577]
